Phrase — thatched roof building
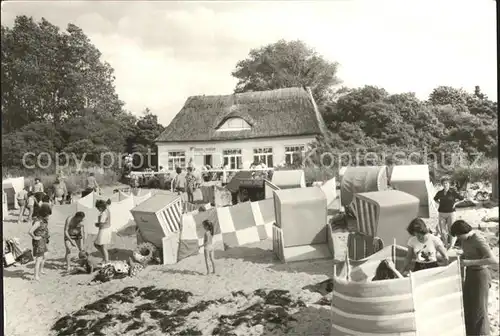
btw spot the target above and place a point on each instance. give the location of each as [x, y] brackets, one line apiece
[270, 114]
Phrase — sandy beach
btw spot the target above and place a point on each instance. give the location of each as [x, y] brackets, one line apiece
[252, 294]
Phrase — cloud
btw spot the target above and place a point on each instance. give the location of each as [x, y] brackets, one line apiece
[163, 52]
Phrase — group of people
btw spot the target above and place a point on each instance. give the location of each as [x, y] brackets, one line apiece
[74, 234]
[39, 205]
[185, 183]
[424, 246]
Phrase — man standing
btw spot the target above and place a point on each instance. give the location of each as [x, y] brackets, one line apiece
[22, 198]
[38, 186]
[447, 198]
[91, 185]
[179, 182]
[60, 191]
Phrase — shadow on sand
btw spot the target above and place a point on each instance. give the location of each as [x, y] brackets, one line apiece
[180, 271]
[115, 254]
[17, 273]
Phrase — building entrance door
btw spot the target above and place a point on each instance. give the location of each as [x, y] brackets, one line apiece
[207, 159]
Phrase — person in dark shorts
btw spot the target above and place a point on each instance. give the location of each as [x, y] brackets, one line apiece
[91, 185]
[447, 198]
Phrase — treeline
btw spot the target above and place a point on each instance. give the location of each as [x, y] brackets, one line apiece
[59, 96]
[451, 123]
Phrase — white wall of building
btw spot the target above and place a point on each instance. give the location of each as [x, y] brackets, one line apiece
[197, 150]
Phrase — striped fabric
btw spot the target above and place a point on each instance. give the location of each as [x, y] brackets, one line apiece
[385, 214]
[170, 218]
[366, 216]
[426, 303]
[356, 245]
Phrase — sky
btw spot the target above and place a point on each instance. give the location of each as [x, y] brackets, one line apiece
[164, 52]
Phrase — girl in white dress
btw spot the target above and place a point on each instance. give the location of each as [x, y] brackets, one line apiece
[104, 224]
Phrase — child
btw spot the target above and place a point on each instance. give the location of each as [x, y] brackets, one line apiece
[40, 234]
[46, 200]
[208, 244]
[190, 184]
[30, 205]
[88, 262]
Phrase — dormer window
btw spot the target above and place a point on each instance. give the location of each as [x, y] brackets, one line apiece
[234, 124]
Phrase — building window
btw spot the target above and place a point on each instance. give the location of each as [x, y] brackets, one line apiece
[263, 154]
[234, 124]
[176, 159]
[291, 150]
[233, 158]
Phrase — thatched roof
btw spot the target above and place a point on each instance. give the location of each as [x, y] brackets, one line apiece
[275, 113]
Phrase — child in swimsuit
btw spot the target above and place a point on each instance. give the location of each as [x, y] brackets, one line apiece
[208, 244]
[40, 234]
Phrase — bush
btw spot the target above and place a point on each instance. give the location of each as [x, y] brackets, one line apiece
[153, 183]
[480, 172]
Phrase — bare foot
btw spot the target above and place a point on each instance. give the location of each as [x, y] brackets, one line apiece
[42, 272]
[36, 279]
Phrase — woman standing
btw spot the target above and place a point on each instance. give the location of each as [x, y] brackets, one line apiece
[476, 258]
[423, 246]
[104, 224]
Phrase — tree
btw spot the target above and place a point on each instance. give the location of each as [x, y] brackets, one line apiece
[36, 138]
[287, 64]
[52, 75]
[147, 130]
[447, 95]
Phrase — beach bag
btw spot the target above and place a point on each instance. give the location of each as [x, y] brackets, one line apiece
[12, 246]
[26, 257]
